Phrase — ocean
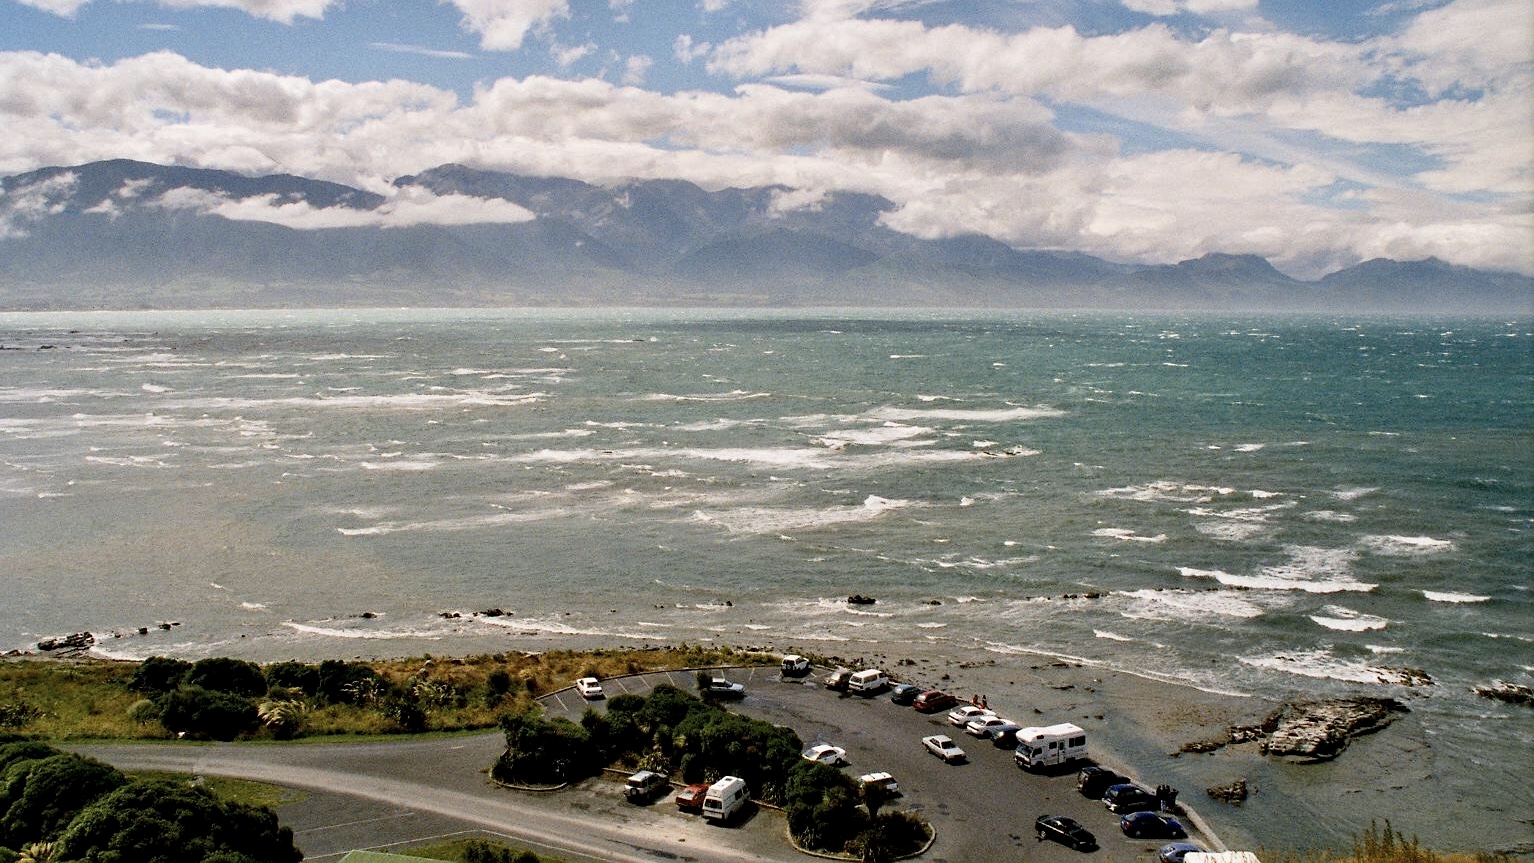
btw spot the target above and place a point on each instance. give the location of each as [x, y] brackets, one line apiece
[1271, 505]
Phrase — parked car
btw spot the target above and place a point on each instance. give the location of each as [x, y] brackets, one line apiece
[1173, 852]
[943, 747]
[964, 714]
[645, 786]
[981, 727]
[883, 780]
[1065, 830]
[838, 679]
[589, 687]
[1093, 781]
[795, 666]
[722, 688]
[1003, 736]
[934, 700]
[904, 693]
[1151, 825]
[1129, 797]
[691, 797]
[825, 753]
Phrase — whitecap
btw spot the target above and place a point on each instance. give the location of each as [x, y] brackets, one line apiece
[403, 465]
[1231, 531]
[1347, 620]
[1331, 516]
[1187, 605]
[1405, 546]
[253, 606]
[154, 388]
[350, 633]
[1321, 664]
[1250, 447]
[1110, 636]
[1127, 535]
[763, 520]
[1448, 596]
[1008, 414]
[1353, 493]
[1310, 569]
[888, 433]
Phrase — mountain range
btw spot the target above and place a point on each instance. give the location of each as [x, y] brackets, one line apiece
[126, 234]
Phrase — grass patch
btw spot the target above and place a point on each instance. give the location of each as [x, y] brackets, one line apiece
[86, 699]
[478, 851]
[246, 791]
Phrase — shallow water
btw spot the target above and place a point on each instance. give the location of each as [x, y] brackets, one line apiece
[1265, 505]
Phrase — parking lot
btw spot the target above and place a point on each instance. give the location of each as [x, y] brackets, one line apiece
[983, 809]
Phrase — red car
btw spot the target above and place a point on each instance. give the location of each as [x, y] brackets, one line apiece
[934, 700]
[692, 796]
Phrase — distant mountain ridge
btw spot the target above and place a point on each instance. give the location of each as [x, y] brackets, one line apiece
[126, 234]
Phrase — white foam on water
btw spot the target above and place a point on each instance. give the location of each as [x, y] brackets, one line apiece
[1449, 596]
[1347, 620]
[551, 626]
[908, 356]
[764, 520]
[1110, 636]
[1382, 649]
[1167, 491]
[1321, 664]
[1127, 535]
[253, 606]
[350, 632]
[731, 396]
[154, 388]
[402, 465]
[473, 522]
[1310, 569]
[1231, 531]
[1188, 605]
[888, 433]
[1353, 493]
[1008, 414]
[931, 624]
[1405, 546]
[1250, 447]
[1331, 516]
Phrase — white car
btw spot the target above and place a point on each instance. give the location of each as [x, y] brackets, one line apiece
[589, 687]
[979, 727]
[943, 747]
[964, 714]
[795, 665]
[882, 780]
[825, 753]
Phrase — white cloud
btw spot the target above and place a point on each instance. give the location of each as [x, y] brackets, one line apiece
[420, 50]
[409, 207]
[567, 55]
[62, 8]
[635, 68]
[32, 202]
[502, 25]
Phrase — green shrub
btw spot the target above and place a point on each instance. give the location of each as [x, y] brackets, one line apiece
[158, 674]
[222, 674]
[206, 713]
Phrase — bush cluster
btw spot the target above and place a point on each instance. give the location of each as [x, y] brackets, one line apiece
[78, 808]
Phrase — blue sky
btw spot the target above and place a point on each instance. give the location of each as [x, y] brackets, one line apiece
[1314, 134]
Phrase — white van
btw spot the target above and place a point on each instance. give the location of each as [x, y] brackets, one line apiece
[867, 682]
[724, 798]
[1049, 745]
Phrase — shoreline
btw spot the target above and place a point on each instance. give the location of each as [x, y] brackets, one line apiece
[1138, 724]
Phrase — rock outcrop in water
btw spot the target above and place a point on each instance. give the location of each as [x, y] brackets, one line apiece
[1511, 693]
[1319, 730]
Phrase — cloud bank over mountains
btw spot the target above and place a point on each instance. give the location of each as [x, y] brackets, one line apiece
[1171, 130]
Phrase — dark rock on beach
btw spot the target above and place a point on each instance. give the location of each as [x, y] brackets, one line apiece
[1236, 792]
[860, 599]
[75, 643]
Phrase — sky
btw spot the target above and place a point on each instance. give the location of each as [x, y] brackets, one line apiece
[1314, 133]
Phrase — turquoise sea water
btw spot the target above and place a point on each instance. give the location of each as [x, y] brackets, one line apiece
[1269, 505]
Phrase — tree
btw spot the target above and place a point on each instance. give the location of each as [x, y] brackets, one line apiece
[158, 821]
[158, 674]
[38, 798]
[223, 674]
[201, 712]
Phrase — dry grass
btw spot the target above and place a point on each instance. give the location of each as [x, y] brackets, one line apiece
[89, 699]
[1381, 845]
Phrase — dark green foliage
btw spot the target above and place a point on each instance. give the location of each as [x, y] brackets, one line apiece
[294, 675]
[158, 674]
[544, 751]
[480, 851]
[890, 837]
[205, 713]
[346, 682]
[149, 821]
[498, 682]
[405, 713]
[17, 713]
[24, 750]
[38, 798]
[222, 674]
[822, 807]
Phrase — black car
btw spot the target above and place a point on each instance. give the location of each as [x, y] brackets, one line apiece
[1093, 781]
[1129, 797]
[1004, 736]
[1151, 825]
[1067, 831]
[904, 693]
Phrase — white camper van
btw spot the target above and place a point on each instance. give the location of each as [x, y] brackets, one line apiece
[724, 798]
[1049, 745]
[867, 682]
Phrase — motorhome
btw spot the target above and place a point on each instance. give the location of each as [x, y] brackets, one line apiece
[1049, 745]
[867, 682]
[724, 798]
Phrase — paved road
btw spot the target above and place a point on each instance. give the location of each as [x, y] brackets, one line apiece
[380, 794]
